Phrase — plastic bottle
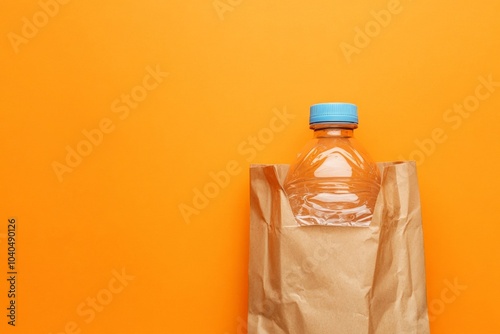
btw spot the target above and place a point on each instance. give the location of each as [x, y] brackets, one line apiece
[333, 181]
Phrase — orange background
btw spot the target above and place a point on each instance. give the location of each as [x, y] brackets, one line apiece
[230, 69]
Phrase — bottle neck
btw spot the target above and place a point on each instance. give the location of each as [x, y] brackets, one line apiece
[322, 130]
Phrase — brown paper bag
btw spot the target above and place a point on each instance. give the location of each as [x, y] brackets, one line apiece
[336, 279]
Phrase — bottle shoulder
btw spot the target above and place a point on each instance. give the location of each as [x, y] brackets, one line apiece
[333, 157]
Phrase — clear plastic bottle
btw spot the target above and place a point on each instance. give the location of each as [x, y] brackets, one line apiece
[333, 181]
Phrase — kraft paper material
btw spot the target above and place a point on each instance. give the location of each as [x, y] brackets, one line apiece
[337, 279]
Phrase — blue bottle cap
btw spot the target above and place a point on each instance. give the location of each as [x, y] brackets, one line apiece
[334, 112]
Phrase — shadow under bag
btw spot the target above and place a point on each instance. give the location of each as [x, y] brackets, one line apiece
[337, 279]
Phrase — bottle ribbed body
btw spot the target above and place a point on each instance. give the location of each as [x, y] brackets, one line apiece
[333, 181]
